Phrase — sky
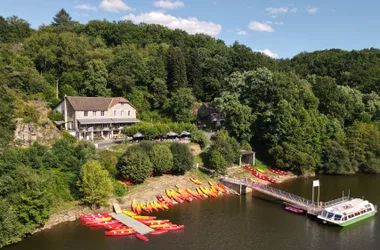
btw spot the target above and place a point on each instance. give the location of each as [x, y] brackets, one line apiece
[278, 28]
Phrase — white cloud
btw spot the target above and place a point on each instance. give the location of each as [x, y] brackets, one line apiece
[312, 10]
[242, 33]
[85, 7]
[277, 10]
[192, 25]
[261, 27]
[114, 6]
[168, 4]
[268, 53]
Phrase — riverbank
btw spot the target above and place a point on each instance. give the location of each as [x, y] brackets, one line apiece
[148, 191]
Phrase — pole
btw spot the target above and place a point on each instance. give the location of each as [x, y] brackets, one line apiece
[312, 199]
[319, 193]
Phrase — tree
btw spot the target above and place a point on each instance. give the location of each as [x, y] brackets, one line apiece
[135, 165]
[6, 117]
[95, 184]
[176, 69]
[183, 160]
[181, 105]
[194, 74]
[336, 160]
[216, 161]
[61, 18]
[14, 29]
[227, 146]
[161, 158]
[95, 79]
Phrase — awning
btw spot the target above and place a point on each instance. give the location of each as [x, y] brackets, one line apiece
[124, 120]
[171, 133]
[59, 122]
[107, 121]
[138, 135]
[95, 121]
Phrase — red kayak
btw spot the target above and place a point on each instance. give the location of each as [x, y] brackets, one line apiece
[101, 223]
[294, 210]
[272, 180]
[173, 227]
[158, 232]
[119, 233]
[142, 237]
[116, 227]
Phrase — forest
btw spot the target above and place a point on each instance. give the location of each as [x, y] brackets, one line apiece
[316, 112]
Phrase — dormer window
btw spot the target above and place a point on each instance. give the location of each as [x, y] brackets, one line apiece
[129, 113]
[101, 113]
[85, 113]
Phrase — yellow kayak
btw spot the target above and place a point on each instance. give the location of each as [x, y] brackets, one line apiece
[130, 213]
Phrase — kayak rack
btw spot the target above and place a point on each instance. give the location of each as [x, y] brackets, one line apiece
[297, 201]
[130, 222]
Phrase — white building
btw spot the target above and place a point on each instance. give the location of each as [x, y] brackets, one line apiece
[95, 117]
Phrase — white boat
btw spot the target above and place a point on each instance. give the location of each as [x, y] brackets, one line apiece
[348, 213]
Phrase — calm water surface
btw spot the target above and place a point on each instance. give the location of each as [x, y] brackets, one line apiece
[252, 221]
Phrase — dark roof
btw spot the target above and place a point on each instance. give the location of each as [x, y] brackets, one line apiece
[81, 103]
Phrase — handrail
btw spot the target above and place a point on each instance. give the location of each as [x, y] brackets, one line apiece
[310, 205]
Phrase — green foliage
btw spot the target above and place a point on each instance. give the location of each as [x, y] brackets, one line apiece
[161, 158]
[135, 165]
[6, 115]
[62, 18]
[151, 131]
[176, 69]
[55, 116]
[95, 184]
[109, 160]
[216, 161]
[181, 105]
[227, 146]
[200, 138]
[27, 111]
[336, 160]
[119, 190]
[95, 79]
[183, 160]
[363, 143]
[14, 29]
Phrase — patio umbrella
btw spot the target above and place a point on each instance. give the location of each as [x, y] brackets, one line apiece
[138, 135]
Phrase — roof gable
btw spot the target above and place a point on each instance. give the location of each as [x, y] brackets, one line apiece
[81, 103]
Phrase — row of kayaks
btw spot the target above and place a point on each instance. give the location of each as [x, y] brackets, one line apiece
[260, 175]
[180, 195]
[116, 228]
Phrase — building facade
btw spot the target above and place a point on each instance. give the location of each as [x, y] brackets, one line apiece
[208, 115]
[92, 118]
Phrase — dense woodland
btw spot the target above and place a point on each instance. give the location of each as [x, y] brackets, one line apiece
[317, 112]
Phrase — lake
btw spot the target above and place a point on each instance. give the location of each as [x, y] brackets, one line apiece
[251, 221]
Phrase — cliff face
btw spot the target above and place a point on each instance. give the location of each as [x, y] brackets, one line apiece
[42, 130]
[27, 133]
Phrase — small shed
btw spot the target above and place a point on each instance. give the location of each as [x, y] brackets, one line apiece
[247, 157]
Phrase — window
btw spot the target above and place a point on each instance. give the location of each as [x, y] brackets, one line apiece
[122, 113]
[114, 113]
[129, 113]
[85, 113]
[93, 113]
[101, 113]
[122, 104]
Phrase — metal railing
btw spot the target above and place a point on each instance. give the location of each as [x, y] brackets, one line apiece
[285, 196]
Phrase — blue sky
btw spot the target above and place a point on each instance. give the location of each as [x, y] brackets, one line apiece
[280, 28]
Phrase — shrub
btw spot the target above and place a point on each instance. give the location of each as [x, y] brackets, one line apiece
[183, 160]
[135, 165]
[199, 137]
[216, 161]
[95, 184]
[161, 158]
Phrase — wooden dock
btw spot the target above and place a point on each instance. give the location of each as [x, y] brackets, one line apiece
[130, 222]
